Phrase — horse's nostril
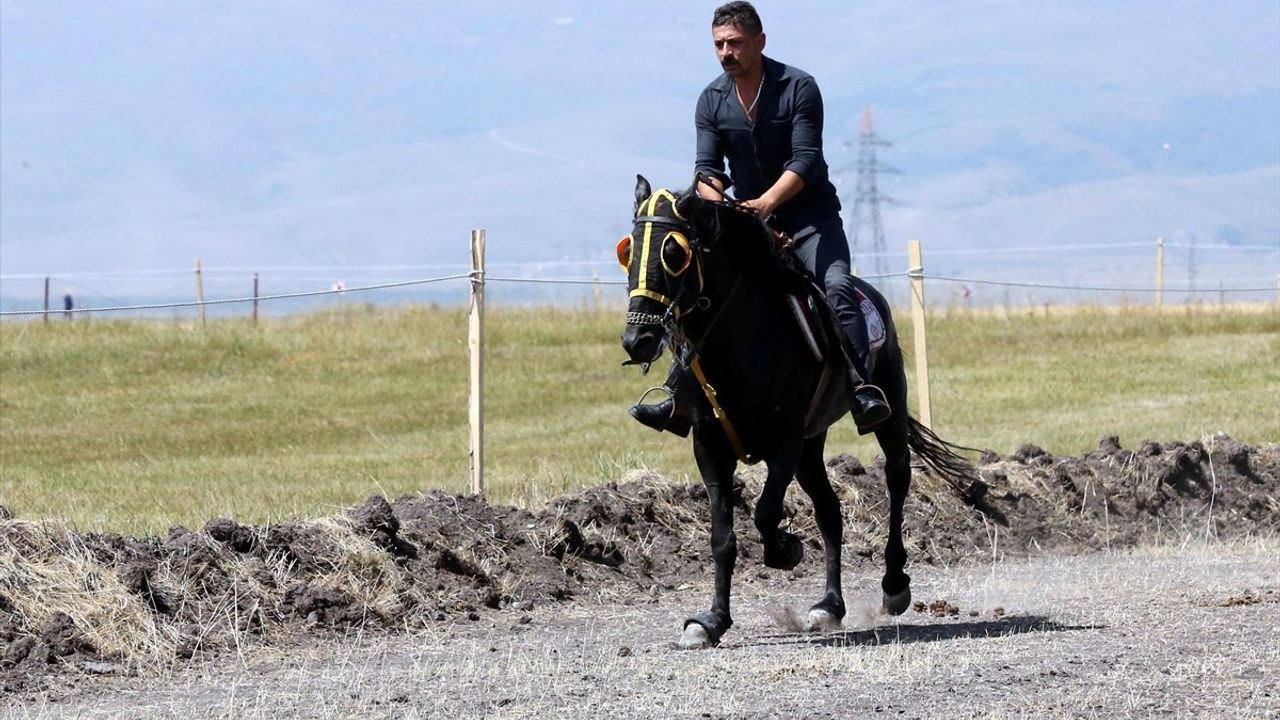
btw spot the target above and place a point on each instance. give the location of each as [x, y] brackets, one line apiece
[642, 345]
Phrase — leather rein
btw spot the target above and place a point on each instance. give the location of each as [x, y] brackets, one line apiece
[686, 350]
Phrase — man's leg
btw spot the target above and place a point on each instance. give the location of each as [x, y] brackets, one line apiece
[666, 415]
[825, 253]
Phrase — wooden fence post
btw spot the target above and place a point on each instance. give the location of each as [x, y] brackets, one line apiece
[475, 344]
[46, 299]
[916, 272]
[1159, 272]
[200, 291]
[255, 299]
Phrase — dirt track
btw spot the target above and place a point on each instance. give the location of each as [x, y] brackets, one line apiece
[1165, 633]
[619, 564]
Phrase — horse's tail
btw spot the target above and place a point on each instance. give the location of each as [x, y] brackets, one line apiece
[940, 456]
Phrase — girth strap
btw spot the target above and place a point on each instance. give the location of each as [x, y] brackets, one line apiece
[720, 414]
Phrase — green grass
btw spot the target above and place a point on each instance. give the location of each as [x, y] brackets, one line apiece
[138, 425]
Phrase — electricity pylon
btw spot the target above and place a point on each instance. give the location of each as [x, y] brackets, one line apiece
[867, 199]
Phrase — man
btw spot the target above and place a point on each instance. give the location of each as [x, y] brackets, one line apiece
[766, 119]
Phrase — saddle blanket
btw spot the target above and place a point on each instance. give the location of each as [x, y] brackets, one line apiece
[875, 323]
[807, 318]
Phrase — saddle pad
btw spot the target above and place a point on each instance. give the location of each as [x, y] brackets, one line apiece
[807, 319]
[875, 323]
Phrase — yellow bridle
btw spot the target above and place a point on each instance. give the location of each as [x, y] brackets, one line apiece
[646, 216]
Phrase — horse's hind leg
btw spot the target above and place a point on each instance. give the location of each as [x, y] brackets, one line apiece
[782, 550]
[897, 472]
[812, 474]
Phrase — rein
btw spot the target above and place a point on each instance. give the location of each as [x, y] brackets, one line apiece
[692, 360]
[691, 351]
[686, 350]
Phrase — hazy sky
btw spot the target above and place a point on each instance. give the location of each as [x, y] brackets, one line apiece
[138, 135]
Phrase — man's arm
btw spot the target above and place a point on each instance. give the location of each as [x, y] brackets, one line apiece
[709, 160]
[786, 188]
[806, 150]
[710, 187]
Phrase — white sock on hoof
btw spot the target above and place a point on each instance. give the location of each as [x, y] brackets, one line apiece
[821, 621]
[695, 637]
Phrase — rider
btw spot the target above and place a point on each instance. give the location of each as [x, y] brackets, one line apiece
[766, 118]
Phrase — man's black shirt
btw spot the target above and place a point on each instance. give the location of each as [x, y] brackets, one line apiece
[787, 135]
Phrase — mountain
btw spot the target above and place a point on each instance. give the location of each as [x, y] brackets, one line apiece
[302, 137]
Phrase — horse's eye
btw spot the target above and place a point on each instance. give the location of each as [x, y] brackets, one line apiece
[624, 253]
[676, 254]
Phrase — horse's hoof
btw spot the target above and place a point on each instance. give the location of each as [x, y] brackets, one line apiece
[897, 603]
[695, 637]
[822, 621]
[703, 631]
[785, 553]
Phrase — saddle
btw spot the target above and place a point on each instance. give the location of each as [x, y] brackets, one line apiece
[824, 336]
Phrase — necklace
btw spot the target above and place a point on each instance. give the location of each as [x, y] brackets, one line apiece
[749, 109]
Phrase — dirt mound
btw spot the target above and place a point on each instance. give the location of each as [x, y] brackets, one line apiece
[107, 603]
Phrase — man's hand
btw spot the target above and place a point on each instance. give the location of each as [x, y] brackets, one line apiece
[786, 188]
[709, 188]
[762, 206]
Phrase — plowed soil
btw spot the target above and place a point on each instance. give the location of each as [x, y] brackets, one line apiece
[74, 604]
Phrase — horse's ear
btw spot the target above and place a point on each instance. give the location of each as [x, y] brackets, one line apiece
[687, 201]
[643, 191]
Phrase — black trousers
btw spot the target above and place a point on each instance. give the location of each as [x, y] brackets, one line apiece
[824, 250]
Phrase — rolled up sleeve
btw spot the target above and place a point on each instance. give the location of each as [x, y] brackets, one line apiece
[806, 132]
[709, 157]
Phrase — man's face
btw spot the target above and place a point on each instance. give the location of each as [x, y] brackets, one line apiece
[738, 51]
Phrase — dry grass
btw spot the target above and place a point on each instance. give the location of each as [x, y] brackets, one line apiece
[134, 426]
[1122, 635]
[45, 569]
[217, 602]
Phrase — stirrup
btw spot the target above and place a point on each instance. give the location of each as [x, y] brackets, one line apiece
[878, 419]
[652, 416]
[866, 385]
[661, 388]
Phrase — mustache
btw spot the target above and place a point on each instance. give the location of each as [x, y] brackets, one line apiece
[728, 63]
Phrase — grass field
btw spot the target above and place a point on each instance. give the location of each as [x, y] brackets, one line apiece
[137, 425]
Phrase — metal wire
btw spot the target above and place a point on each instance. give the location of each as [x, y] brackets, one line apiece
[482, 278]
[554, 281]
[285, 269]
[1100, 288]
[228, 301]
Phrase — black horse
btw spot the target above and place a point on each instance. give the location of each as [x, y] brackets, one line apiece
[708, 280]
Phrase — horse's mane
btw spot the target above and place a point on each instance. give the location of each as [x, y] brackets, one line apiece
[752, 243]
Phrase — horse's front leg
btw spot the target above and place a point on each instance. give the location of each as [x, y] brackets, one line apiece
[782, 550]
[716, 461]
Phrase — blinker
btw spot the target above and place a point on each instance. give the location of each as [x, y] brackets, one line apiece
[624, 253]
[676, 251]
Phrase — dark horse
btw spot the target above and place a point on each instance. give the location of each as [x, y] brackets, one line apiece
[707, 280]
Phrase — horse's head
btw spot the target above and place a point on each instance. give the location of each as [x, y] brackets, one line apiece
[664, 270]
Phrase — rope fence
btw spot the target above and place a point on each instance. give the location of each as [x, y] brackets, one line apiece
[230, 301]
[1097, 288]
[515, 279]
[284, 270]
[478, 278]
